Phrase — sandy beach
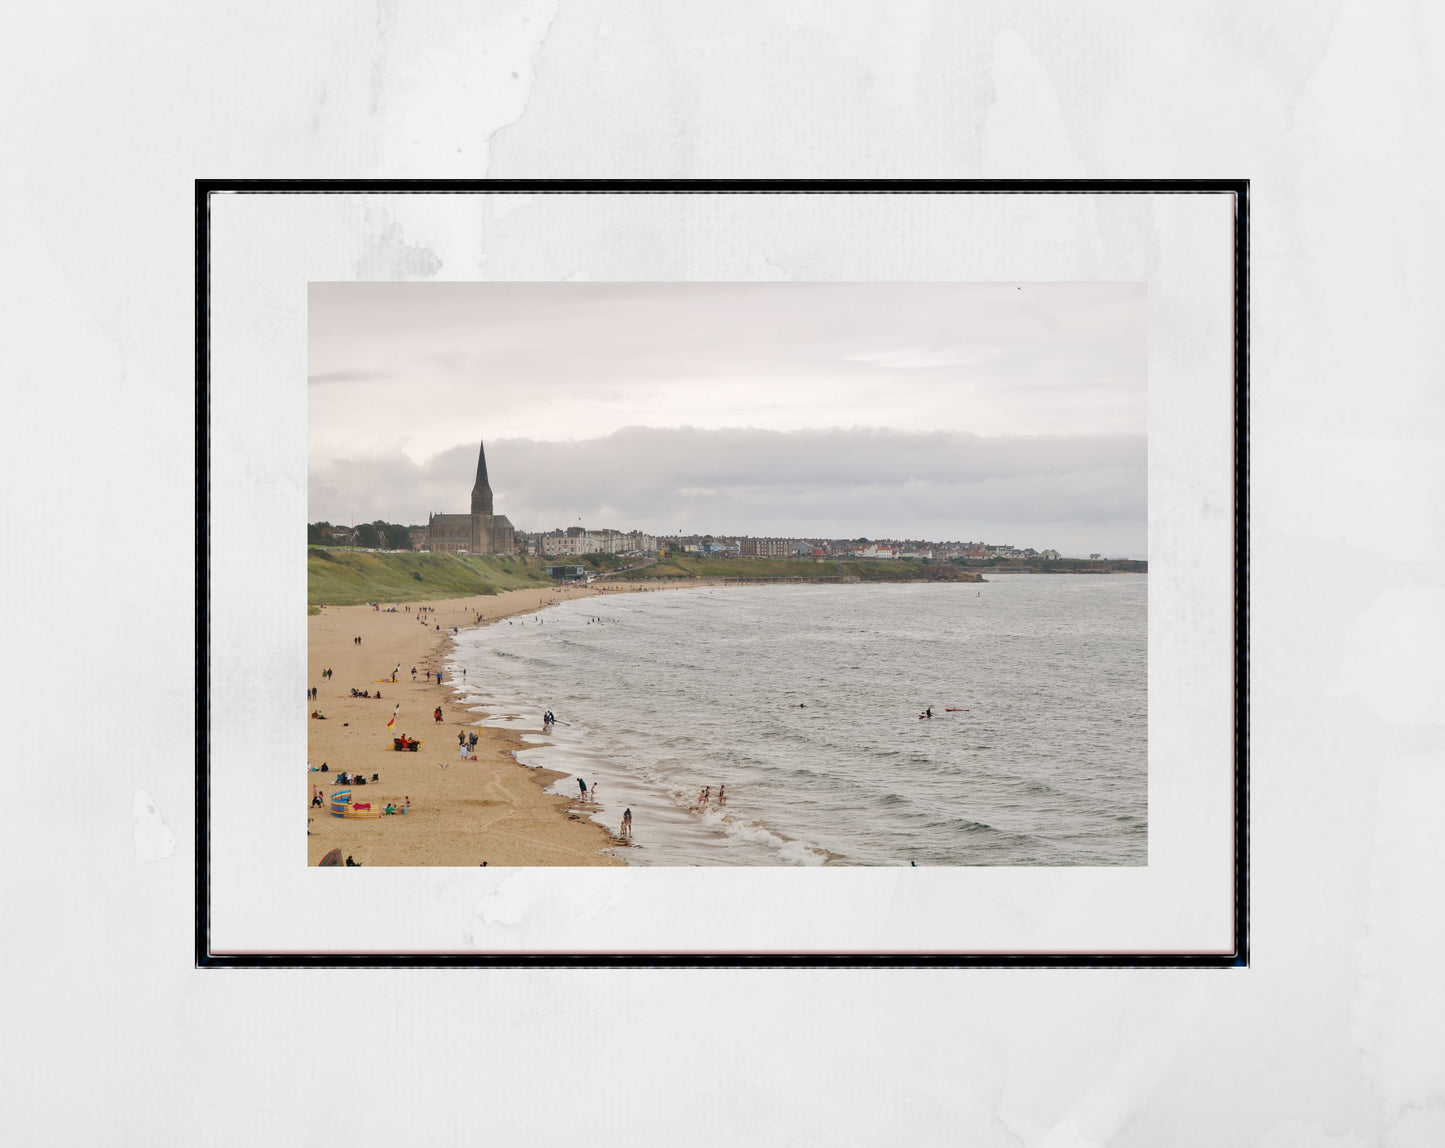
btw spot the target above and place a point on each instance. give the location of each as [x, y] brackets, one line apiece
[460, 812]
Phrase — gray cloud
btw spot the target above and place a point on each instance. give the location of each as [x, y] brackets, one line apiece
[1077, 494]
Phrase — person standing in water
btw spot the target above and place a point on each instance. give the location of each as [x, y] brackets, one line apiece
[627, 823]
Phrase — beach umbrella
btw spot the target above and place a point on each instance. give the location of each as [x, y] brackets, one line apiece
[332, 858]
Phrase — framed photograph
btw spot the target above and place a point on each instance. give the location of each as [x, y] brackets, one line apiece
[722, 573]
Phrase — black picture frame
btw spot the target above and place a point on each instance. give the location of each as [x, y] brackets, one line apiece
[205, 192]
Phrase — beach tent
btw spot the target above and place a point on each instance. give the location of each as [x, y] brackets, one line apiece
[332, 858]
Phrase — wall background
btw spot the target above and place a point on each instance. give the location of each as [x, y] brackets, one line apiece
[1332, 109]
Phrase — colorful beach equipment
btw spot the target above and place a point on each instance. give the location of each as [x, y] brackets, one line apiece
[332, 858]
[341, 806]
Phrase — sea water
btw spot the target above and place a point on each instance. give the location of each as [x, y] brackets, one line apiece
[804, 702]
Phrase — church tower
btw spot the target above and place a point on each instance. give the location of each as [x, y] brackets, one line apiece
[482, 507]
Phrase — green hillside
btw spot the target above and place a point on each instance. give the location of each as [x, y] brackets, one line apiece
[845, 569]
[351, 577]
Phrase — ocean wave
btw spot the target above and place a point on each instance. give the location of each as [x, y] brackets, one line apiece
[962, 824]
[790, 852]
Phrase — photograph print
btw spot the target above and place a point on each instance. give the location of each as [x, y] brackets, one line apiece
[727, 574]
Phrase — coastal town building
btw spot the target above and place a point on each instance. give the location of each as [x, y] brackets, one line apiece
[480, 532]
[766, 547]
[576, 541]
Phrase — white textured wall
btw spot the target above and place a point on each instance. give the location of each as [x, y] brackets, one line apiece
[1332, 109]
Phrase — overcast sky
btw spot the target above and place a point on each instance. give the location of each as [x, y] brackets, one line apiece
[994, 412]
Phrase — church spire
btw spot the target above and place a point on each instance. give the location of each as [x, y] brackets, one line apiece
[481, 466]
[482, 491]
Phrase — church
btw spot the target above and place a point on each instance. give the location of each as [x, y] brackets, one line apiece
[481, 531]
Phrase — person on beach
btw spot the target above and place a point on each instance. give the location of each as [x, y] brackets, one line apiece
[437, 714]
[627, 822]
[413, 673]
[461, 737]
[702, 798]
[462, 749]
[722, 794]
[439, 677]
[583, 786]
[472, 740]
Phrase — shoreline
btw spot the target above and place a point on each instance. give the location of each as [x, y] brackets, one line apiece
[462, 813]
[493, 811]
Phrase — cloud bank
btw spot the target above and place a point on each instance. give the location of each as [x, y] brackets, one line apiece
[1077, 494]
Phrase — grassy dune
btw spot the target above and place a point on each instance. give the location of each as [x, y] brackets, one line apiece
[861, 569]
[350, 577]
